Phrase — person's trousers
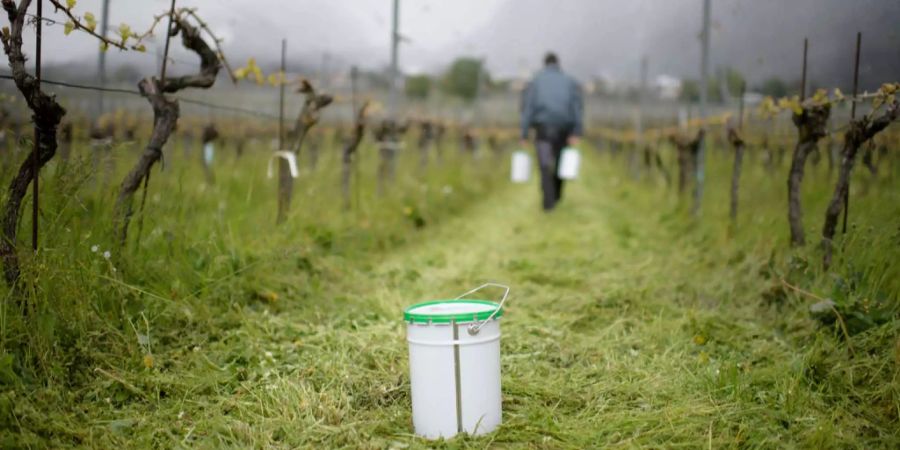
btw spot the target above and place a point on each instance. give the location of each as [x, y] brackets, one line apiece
[549, 145]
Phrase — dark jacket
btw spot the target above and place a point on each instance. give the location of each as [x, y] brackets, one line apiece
[552, 99]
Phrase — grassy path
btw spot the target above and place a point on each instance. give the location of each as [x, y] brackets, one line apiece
[618, 333]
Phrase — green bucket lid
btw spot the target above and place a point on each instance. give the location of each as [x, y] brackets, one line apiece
[445, 311]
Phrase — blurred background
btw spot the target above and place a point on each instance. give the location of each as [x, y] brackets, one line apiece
[467, 60]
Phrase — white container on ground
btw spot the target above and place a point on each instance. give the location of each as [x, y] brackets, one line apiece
[569, 163]
[521, 167]
[209, 152]
[454, 365]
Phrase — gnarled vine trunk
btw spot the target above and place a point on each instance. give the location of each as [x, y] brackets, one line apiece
[810, 127]
[687, 157]
[388, 135]
[738, 145]
[165, 117]
[860, 132]
[46, 114]
[308, 118]
[426, 138]
[350, 149]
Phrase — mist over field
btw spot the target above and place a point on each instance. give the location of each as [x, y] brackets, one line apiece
[759, 38]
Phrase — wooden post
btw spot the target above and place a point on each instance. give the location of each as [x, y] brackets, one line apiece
[101, 61]
[354, 76]
[162, 73]
[36, 160]
[285, 183]
[281, 97]
[735, 137]
[803, 77]
[700, 167]
[852, 116]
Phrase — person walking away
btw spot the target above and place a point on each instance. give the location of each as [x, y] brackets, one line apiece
[552, 105]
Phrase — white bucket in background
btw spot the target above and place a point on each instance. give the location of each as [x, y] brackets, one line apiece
[521, 167]
[569, 162]
[454, 365]
[209, 152]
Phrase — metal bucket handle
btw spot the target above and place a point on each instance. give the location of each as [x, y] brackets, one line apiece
[474, 328]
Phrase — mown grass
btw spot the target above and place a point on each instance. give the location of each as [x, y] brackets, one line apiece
[631, 324]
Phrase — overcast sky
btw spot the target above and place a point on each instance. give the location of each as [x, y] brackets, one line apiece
[356, 31]
[759, 37]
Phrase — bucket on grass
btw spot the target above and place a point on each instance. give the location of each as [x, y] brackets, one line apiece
[454, 365]
[569, 162]
[209, 152]
[521, 167]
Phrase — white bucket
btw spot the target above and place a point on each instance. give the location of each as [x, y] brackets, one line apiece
[454, 365]
[521, 167]
[209, 151]
[569, 162]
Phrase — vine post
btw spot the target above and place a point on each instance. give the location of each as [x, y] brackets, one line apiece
[101, 58]
[35, 162]
[284, 171]
[810, 118]
[165, 60]
[737, 142]
[281, 97]
[704, 79]
[852, 117]
[354, 79]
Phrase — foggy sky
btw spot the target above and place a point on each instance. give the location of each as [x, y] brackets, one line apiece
[761, 38]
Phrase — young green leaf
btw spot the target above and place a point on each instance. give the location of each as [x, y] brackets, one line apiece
[125, 32]
[820, 97]
[90, 21]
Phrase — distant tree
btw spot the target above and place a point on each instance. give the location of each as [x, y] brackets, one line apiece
[690, 91]
[601, 88]
[774, 87]
[733, 81]
[500, 85]
[418, 87]
[634, 94]
[461, 79]
[378, 80]
[126, 73]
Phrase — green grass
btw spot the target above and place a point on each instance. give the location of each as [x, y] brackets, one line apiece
[630, 324]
